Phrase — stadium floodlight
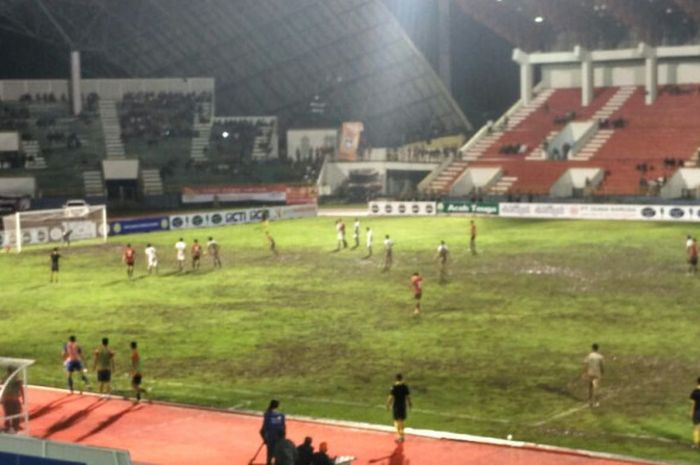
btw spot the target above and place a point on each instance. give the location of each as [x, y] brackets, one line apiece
[225, 134]
[539, 19]
[57, 225]
[13, 392]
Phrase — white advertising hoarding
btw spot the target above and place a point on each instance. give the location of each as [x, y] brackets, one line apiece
[574, 211]
[381, 207]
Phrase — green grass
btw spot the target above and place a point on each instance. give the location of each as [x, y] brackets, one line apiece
[498, 349]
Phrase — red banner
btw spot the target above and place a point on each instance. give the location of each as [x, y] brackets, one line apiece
[297, 195]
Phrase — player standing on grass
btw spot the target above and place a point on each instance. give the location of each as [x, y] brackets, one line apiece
[388, 253]
[136, 372]
[180, 248]
[213, 251]
[592, 372]
[103, 365]
[399, 401]
[55, 257]
[695, 414]
[73, 361]
[196, 254]
[368, 238]
[129, 258]
[356, 233]
[151, 258]
[442, 254]
[472, 237]
[693, 257]
[271, 243]
[417, 288]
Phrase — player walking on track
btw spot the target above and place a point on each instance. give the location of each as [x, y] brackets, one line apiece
[273, 428]
[180, 248]
[151, 259]
[213, 251]
[388, 253]
[136, 371]
[196, 254]
[73, 361]
[399, 402]
[54, 257]
[417, 288]
[129, 258]
[592, 372]
[695, 414]
[472, 237]
[103, 365]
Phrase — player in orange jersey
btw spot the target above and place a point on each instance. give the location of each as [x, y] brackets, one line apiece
[417, 288]
[196, 254]
[129, 258]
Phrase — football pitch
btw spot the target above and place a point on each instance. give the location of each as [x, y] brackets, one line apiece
[498, 349]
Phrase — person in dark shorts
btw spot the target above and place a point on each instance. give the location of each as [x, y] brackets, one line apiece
[55, 257]
[399, 401]
[693, 257]
[273, 428]
[73, 361]
[136, 371]
[196, 254]
[695, 414]
[104, 366]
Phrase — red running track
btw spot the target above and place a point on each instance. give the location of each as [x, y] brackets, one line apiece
[178, 435]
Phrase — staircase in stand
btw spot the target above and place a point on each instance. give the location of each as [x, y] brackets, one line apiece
[449, 174]
[503, 185]
[200, 143]
[34, 160]
[151, 182]
[93, 184]
[111, 128]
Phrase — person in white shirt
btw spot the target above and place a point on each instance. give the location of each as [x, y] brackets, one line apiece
[151, 259]
[593, 372]
[369, 242]
[180, 247]
[388, 253]
[340, 230]
[356, 233]
[442, 254]
[213, 250]
[688, 242]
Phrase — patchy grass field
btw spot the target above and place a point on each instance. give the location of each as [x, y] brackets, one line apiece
[498, 349]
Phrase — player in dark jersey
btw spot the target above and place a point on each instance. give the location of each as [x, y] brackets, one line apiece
[196, 254]
[129, 258]
[55, 257]
[399, 402]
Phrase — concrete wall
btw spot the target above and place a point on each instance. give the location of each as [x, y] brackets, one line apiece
[475, 179]
[334, 174]
[684, 180]
[575, 178]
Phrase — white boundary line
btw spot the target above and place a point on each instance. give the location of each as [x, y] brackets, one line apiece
[431, 434]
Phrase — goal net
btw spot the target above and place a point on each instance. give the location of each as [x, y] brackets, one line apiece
[58, 225]
[13, 395]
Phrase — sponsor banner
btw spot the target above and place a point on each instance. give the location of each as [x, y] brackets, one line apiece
[350, 133]
[297, 195]
[257, 193]
[138, 225]
[402, 208]
[30, 236]
[600, 211]
[457, 206]
[243, 216]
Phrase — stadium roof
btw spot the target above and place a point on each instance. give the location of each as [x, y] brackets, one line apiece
[268, 56]
[561, 24]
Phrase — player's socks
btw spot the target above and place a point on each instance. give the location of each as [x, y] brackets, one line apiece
[70, 384]
[696, 437]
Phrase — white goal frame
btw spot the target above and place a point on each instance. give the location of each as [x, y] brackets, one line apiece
[22, 222]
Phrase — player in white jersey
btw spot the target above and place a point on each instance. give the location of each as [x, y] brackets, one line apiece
[151, 259]
[593, 372]
[442, 255]
[180, 248]
[388, 253]
[368, 238]
[213, 251]
[356, 233]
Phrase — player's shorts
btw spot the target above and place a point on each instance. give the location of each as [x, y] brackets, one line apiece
[73, 365]
[104, 376]
[696, 417]
[153, 263]
[693, 260]
[136, 379]
[417, 295]
[54, 267]
[129, 263]
[195, 257]
[180, 257]
[399, 413]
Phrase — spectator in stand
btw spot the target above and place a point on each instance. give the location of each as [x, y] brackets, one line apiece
[305, 452]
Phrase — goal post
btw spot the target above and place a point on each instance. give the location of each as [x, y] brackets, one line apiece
[57, 225]
[14, 394]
